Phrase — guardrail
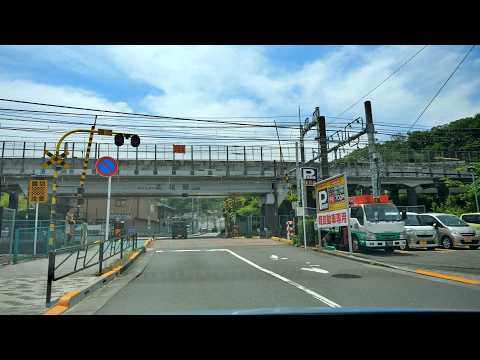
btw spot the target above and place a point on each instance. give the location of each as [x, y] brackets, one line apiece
[104, 251]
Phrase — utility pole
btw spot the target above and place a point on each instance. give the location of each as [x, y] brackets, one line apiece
[372, 154]
[472, 171]
[322, 145]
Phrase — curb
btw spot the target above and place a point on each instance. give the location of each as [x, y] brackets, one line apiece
[73, 297]
[285, 241]
[378, 263]
[416, 271]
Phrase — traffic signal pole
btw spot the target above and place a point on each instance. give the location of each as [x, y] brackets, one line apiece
[58, 161]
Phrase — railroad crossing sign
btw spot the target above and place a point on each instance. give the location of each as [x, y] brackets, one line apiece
[56, 159]
[38, 190]
[106, 166]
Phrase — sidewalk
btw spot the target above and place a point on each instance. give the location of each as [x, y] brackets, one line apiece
[23, 285]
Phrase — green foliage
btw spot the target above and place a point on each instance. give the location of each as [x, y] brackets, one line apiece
[292, 194]
[459, 135]
[465, 201]
[244, 205]
[4, 200]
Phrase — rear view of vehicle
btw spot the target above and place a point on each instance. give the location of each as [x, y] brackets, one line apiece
[419, 236]
[179, 229]
[451, 230]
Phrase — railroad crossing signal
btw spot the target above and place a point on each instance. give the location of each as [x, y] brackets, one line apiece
[120, 139]
[38, 190]
[56, 160]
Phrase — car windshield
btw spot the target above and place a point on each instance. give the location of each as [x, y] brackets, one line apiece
[382, 212]
[451, 220]
[412, 220]
[178, 179]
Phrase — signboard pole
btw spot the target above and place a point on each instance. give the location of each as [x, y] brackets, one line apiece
[107, 221]
[304, 207]
[36, 230]
[349, 233]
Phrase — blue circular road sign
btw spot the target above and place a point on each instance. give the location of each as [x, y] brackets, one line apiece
[106, 166]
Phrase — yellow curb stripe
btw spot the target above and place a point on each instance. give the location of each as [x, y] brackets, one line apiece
[447, 277]
[63, 304]
[286, 241]
[56, 310]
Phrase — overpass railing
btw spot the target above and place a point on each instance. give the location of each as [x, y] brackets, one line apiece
[35, 150]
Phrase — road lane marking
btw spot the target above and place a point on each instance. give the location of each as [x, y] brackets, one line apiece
[310, 292]
[187, 250]
[284, 259]
[448, 277]
[274, 257]
[288, 281]
[321, 271]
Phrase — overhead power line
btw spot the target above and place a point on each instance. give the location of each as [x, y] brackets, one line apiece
[443, 85]
[384, 80]
[140, 115]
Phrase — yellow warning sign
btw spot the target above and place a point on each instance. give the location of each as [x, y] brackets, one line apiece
[38, 191]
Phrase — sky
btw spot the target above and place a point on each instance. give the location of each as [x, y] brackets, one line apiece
[241, 81]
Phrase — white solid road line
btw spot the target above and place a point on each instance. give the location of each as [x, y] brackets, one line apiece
[312, 293]
[288, 281]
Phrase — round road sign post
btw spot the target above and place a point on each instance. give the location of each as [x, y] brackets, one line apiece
[107, 167]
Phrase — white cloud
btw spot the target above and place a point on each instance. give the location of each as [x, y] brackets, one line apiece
[243, 80]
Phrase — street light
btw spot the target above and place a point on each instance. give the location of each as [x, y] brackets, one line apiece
[471, 169]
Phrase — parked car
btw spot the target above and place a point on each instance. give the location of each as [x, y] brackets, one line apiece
[473, 220]
[418, 235]
[451, 230]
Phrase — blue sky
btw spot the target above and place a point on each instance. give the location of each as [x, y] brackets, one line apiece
[209, 81]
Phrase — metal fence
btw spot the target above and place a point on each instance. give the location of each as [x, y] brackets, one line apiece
[66, 261]
[7, 226]
[35, 150]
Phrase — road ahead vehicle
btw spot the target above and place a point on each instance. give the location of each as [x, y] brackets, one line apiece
[451, 230]
[375, 224]
[418, 235]
[179, 229]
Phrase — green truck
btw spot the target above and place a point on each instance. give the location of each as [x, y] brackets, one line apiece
[375, 223]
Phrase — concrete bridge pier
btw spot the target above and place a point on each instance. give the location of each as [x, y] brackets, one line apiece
[412, 196]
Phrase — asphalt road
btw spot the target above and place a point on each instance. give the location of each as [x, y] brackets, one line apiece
[460, 261]
[235, 274]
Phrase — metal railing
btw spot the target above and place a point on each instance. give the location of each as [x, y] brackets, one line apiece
[35, 150]
[77, 258]
[227, 153]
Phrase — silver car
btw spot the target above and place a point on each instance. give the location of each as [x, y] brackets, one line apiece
[418, 235]
[451, 230]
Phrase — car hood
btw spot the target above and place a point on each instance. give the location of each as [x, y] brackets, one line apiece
[419, 228]
[461, 229]
[474, 226]
[317, 311]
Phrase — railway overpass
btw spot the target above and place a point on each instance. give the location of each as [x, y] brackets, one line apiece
[153, 170]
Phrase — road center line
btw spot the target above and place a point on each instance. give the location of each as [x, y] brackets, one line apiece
[312, 293]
